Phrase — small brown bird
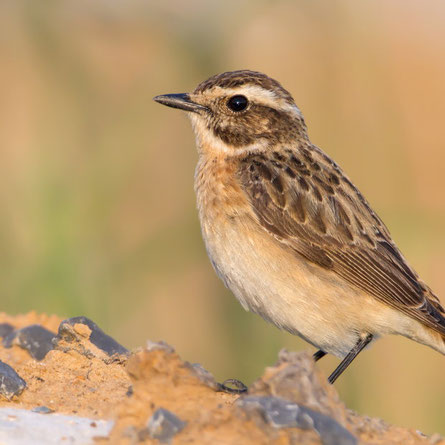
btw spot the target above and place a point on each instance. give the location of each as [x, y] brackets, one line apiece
[288, 232]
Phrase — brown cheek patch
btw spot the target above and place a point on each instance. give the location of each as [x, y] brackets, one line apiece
[259, 122]
[233, 135]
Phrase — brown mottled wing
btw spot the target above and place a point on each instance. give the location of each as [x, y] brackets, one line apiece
[304, 200]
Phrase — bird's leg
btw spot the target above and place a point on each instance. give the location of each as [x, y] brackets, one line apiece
[349, 358]
[318, 355]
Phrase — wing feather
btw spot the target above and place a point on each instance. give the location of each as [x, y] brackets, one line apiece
[307, 203]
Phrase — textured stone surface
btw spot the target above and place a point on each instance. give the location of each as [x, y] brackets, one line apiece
[36, 339]
[290, 404]
[281, 413]
[5, 329]
[22, 427]
[163, 425]
[76, 330]
[66, 381]
[205, 376]
[42, 410]
[296, 378]
[11, 384]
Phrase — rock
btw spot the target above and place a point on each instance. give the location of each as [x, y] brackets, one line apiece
[36, 339]
[203, 375]
[296, 378]
[281, 413]
[11, 384]
[79, 378]
[164, 425]
[42, 410]
[159, 345]
[22, 427]
[5, 329]
[81, 331]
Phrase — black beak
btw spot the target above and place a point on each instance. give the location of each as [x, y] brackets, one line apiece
[181, 101]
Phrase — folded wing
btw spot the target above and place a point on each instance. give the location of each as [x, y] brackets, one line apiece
[307, 203]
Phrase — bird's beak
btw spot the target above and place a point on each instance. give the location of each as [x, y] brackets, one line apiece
[181, 101]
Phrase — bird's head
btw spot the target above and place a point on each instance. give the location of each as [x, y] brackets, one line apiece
[240, 111]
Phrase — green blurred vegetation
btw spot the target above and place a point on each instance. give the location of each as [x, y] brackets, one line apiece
[96, 180]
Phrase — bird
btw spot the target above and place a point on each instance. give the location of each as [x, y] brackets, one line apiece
[289, 233]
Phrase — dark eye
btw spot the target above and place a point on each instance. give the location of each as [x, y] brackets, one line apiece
[238, 103]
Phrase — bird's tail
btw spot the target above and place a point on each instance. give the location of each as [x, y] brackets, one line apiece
[438, 342]
[437, 333]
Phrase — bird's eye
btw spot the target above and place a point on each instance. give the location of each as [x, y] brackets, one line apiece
[238, 103]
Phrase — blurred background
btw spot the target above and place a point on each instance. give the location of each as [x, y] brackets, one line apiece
[96, 180]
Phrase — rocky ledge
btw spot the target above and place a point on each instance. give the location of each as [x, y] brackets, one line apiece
[68, 380]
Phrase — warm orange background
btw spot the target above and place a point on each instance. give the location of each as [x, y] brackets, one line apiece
[96, 180]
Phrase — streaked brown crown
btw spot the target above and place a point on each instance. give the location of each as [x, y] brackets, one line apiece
[234, 79]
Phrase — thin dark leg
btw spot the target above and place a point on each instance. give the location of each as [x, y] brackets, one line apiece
[318, 355]
[349, 358]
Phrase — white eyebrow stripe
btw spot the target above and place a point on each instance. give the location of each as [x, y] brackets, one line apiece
[259, 94]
